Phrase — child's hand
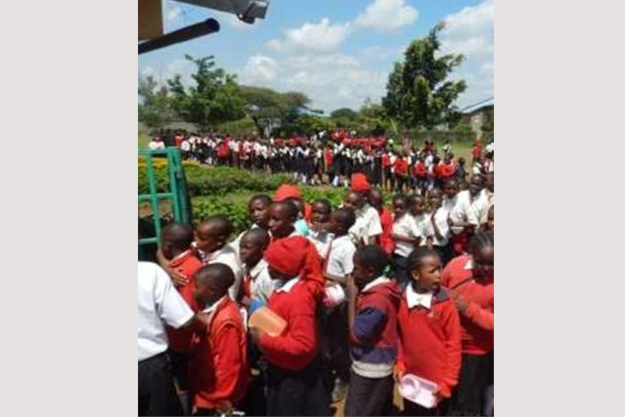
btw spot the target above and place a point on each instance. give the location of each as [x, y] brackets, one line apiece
[461, 303]
[179, 278]
[256, 334]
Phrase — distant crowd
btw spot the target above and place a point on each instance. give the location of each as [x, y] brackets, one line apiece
[334, 157]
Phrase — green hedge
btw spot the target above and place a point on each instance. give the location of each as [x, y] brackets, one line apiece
[205, 181]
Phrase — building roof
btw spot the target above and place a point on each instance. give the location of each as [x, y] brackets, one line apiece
[479, 106]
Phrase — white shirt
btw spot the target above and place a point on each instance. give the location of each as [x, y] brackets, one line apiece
[158, 301]
[423, 222]
[443, 227]
[406, 226]
[321, 240]
[367, 225]
[185, 145]
[462, 211]
[378, 281]
[341, 257]
[414, 299]
[480, 206]
[261, 284]
[154, 145]
[228, 256]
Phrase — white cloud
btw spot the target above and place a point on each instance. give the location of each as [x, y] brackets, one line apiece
[320, 36]
[471, 32]
[172, 12]
[387, 15]
[260, 68]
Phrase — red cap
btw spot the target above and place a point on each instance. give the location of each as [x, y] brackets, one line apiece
[287, 191]
[360, 183]
[288, 255]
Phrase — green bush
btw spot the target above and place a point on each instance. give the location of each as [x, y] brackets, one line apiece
[206, 181]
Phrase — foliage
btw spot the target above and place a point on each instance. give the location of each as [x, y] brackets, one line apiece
[203, 181]
[155, 109]
[215, 98]
[236, 213]
[373, 119]
[418, 94]
[463, 127]
[345, 113]
[265, 105]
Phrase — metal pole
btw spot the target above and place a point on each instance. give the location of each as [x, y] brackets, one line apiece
[181, 35]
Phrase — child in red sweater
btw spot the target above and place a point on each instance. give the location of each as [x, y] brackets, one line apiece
[218, 367]
[372, 316]
[428, 315]
[470, 280]
[376, 198]
[294, 375]
[178, 258]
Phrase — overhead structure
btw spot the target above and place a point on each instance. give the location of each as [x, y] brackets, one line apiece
[151, 20]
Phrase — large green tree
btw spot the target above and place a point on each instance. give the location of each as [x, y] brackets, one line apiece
[418, 92]
[215, 98]
[154, 105]
[265, 104]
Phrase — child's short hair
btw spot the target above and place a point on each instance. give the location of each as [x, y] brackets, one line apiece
[417, 256]
[289, 206]
[179, 235]
[221, 223]
[257, 235]
[345, 216]
[264, 198]
[371, 257]
[325, 203]
[217, 275]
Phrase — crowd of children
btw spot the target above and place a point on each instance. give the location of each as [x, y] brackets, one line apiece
[334, 158]
[371, 297]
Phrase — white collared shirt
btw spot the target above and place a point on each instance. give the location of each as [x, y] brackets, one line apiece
[261, 285]
[288, 286]
[227, 256]
[406, 226]
[213, 307]
[159, 302]
[367, 225]
[414, 299]
[378, 281]
[321, 240]
[341, 257]
[443, 227]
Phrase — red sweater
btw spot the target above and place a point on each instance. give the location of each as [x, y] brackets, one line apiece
[219, 371]
[437, 355]
[446, 171]
[386, 238]
[420, 170]
[478, 321]
[401, 166]
[296, 347]
[188, 264]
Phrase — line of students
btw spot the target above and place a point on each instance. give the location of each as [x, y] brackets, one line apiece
[356, 321]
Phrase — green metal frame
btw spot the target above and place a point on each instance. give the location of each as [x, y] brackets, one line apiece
[177, 194]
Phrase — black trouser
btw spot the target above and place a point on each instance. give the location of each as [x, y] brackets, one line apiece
[157, 393]
[412, 409]
[297, 393]
[469, 395]
[369, 396]
[336, 344]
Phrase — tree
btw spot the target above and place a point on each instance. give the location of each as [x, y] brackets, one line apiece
[373, 119]
[418, 93]
[215, 97]
[344, 113]
[154, 107]
[265, 104]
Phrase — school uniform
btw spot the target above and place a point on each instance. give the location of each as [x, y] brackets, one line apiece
[294, 384]
[257, 284]
[405, 226]
[432, 320]
[477, 328]
[373, 349]
[321, 240]
[158, 302]
[386, 238]
[219, 368]
[340, 263]
[367, 225]
[442, 246]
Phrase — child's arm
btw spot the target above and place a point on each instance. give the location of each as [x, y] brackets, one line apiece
[228, 363]
[480, 316]
[406, 239]
[453, 348]
[177, 277]
[437, 231]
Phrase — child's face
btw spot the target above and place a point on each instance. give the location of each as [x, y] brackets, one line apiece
[376, 200]
[427, 276]
[450, 190]
[250, 251]
[362, 276]
[417, 206]
[280, 223]
[259, 213]
[207, 239]
[352, 201]
[320, 213]
[475, 187]
[204, 294]
[484, 264]
[336, 226]
[399, 207]
[435, 200]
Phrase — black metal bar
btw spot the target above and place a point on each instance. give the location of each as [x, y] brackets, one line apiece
[181, 35]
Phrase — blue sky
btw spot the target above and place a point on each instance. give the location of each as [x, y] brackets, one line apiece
[338, 52]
